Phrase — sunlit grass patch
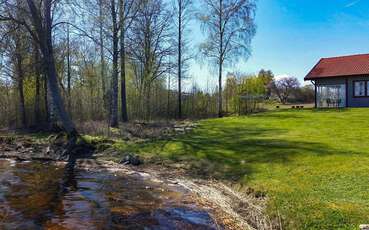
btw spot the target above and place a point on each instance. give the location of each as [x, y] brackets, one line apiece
[312, 164]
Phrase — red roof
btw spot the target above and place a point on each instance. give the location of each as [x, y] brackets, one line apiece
[340, 66]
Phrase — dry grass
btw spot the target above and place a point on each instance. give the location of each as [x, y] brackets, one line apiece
[136, 129]
[246, 210]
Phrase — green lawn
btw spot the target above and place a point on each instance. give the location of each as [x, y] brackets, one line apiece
[314, 165]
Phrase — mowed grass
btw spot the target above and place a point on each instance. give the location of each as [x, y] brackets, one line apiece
[312, 164]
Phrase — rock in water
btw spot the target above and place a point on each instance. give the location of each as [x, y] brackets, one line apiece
[131, 159]
[126, 159]
[135, 160]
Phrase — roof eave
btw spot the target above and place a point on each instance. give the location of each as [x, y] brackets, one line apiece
[309, 78]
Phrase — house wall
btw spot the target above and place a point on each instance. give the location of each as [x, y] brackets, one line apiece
[351, 100]
[356, 101]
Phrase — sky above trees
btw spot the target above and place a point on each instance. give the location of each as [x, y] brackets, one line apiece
[293, 35]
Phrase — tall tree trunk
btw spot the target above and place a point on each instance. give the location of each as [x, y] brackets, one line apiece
[38, 86]
[8, 115]
[179, 59]
[220, 98]
[52, 113]
[226, 102]
[43, 28]
[69, 75]
[220, 101]
[123, 92]
[148, 104]
[141, 103]
[20, 81]
[168, 99]
[22, 109]
[102, 54]
[46, 100]
[114, 83]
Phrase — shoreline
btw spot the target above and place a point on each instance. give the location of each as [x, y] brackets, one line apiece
[233, 209]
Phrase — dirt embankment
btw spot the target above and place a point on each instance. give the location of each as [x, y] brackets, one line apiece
[53, 148]
[25, 148]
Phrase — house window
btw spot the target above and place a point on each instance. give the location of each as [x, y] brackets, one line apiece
[360, 88]
[331, 96]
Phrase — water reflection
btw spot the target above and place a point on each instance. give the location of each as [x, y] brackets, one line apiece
[37, 195]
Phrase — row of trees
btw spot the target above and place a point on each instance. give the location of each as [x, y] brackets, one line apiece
[94, 59]
[250, 93]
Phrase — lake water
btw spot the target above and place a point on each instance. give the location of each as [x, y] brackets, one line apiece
[39, 195]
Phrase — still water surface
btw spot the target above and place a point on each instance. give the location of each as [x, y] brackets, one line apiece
[39, 195]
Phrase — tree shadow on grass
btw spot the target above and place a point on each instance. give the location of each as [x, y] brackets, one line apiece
[229, 153]
[329, 110]
[281, 114]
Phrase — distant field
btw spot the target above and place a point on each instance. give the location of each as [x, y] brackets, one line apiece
[313, 164]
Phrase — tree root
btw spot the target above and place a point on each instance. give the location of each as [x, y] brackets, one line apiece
[71, 147]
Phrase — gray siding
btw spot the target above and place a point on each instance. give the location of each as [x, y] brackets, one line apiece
[356, 101]
[351, 100]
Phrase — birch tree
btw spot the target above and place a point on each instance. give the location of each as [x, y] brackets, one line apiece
[229, 27]
[183, 12]
[115, 54]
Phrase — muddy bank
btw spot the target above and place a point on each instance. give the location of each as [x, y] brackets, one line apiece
[52, 148]
[232, 209]
[24, 148]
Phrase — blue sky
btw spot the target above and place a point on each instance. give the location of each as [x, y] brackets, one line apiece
[292, 35]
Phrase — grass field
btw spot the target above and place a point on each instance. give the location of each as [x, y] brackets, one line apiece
[313, 164]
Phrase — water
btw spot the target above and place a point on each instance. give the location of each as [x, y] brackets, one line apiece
[37, 195]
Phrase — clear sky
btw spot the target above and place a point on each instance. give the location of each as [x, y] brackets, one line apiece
[292, 35]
